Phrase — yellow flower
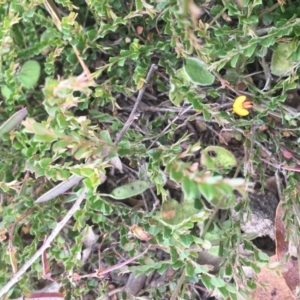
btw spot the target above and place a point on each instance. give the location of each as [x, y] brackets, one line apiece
[241, 106]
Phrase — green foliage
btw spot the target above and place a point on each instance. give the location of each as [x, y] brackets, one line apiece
[176, 214]
[67, 142]
[282, 63]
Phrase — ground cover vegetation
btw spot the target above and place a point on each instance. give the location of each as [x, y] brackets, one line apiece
[138, 138]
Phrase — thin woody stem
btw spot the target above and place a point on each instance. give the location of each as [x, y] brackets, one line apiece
[131, 118]
[115, 267]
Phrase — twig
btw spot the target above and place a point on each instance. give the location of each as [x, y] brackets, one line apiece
[211, 218]
[115, 291]
[267, 74]
[196, 286]
[99, 273]
[183, 111]
[263, 148]
[28, 212]
[138, 100]
[179, 285]
[268, 10]
[155, 109]
[216, 133]
[278, 185]
[46, 244]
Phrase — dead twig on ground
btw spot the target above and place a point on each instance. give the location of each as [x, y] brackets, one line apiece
[131, 118]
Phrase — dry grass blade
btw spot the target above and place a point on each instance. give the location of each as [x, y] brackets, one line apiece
[13, 121]
[55, 15]
[59, 189]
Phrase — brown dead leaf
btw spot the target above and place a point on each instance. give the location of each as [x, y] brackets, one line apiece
[241, 85]
[139, 30]
[195, 11]
[263, 153]
[291, 275]
[226, 136]
[150, 37]
[271, 185]
[286, 133]
[140, 233]
[168, 210]
[292, 98]
[200, 126]
[117, 163]
[135, 284]
[172, 185]
[134, 202]
[194, 167]
[276, 288]
[263, 128]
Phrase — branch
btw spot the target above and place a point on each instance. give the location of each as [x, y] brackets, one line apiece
[138, 100]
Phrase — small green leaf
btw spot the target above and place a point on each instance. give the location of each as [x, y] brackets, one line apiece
[267, 42]
[206, 280]
[251, 285]
[207, 190]
[186, 240]
[138, 5]
[248, 52]
[263, 256]
[228, 271]
[178, 87]
[190, 269]
[129, 190]
[106, 136]
[217, 282]
[177, 265]
[197, 72]
[190, 188]
[174, 255]
[6, 91]
[223, 291]
[234, 61]
[29, 74]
